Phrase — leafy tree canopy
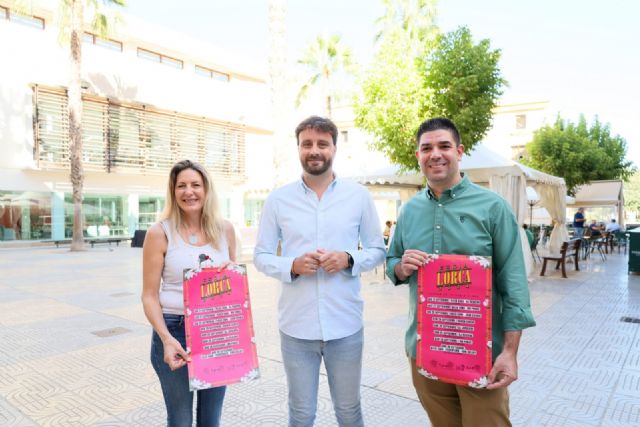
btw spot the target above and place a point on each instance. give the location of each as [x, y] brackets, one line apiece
[451, 76]
[632, 194]
[579, 153]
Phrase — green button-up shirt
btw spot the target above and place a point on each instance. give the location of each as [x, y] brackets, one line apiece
[466, 220]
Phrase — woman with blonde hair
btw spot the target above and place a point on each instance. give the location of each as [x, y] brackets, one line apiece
[191, 226]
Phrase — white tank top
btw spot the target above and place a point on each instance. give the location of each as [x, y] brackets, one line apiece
[181, 255]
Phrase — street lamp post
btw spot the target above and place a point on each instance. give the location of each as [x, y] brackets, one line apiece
[531, 203]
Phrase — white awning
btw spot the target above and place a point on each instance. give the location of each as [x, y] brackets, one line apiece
[600, 193]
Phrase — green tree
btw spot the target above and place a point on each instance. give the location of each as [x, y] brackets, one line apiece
[579, 153]
[464, 82]
[632, 194]
[325, 57]
[450, 77]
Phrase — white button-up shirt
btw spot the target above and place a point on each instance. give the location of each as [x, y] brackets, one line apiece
[323, 306]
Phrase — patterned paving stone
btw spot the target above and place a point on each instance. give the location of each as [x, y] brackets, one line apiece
[36, 310]
[629, 383]
[579, 366]
[580, 411]
[10, 416]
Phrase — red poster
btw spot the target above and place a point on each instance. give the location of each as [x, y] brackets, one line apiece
[454, 319]
[219, 327]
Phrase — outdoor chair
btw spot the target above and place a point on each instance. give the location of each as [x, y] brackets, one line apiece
[620, 238]
[534, 249]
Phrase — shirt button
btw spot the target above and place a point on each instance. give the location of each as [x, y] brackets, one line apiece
[437, 251]
[453, 195]
[439, 205]
[438, 227]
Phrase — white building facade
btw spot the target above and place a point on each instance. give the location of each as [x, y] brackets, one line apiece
[150, 98]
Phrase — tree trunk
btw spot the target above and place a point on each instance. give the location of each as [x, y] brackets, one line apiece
[75, 124]
[328, 107]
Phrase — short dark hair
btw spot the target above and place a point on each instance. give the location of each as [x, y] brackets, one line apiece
[320, 124]
[438, 123]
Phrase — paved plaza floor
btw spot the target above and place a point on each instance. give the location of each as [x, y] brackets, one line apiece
[74, 348]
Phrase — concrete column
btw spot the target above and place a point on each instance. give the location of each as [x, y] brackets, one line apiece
[57, 215]
[133, 214]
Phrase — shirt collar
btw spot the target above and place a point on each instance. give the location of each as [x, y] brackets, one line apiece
[452, 192]
[306, 188]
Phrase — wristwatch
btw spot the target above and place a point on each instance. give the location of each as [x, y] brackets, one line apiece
[349, 260]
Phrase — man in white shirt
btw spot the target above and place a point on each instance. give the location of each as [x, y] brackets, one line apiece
[613, 226]
[320, 221]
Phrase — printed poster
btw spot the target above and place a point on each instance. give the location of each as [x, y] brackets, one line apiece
[454, 319]
[219, 327]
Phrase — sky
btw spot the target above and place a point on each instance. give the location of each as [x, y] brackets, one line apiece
[581, 55]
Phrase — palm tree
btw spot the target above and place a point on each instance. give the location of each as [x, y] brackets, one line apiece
[325, 57]
[73, 22]
[415, 19]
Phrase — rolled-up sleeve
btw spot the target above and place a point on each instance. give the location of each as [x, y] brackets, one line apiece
[394, 254]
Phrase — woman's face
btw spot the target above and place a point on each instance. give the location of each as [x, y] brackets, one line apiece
[190, 192]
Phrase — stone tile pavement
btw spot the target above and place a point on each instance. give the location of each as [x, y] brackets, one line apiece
[74, 347]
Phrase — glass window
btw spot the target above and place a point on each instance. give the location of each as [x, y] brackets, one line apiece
[222, 77]
[88, 38]
[521, 121]
[149, 210]
[108, 44]
[252, 211]
[212, 74]
[172, 62]
[29, 21]
[201, 71]
[151, 56]
[25, 216]
[104, 215]
[4, 13]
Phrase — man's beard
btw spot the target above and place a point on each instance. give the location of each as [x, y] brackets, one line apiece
[318, 170]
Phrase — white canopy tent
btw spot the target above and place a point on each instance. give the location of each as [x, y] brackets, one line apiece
[601, 193]
[507, 178]
[510, 179]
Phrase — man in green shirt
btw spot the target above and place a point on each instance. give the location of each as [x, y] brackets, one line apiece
[454, 216]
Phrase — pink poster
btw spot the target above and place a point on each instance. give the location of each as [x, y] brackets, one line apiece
[454, 319]
[219, 327]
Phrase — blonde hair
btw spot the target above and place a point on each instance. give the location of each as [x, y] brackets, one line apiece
[211, 220]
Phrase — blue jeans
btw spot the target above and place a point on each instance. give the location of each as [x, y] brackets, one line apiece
[343, 362]
[175, 385]
[579, 232]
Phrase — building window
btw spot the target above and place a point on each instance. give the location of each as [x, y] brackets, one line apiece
[105, 43]
[521, 121]
[19, 18]
[212, 74]
[162, 59]
[104, 215]
[25, 216]
[134, 139]
[344, 135]
[149, 210]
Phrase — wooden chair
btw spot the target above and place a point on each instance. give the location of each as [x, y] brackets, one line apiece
[568, 249]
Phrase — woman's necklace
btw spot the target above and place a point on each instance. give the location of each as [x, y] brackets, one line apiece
[192, 237]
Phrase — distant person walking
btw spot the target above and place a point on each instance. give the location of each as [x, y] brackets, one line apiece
[386, 234]
[191, 225]
[578, 223]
